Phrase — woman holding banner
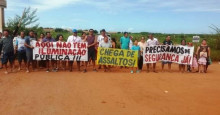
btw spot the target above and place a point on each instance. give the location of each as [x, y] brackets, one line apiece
[142, 45]
[208, 50]
[182, 66]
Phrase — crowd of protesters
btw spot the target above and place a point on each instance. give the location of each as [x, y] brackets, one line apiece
[20, 47]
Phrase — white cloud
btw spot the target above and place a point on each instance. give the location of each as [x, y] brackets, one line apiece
[115, 6]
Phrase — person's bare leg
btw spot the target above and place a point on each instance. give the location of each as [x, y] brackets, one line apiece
[169, 67]
[162, 67]
[6, 68]
[78, 65]
[148, 66]
[154, 67]
[180, 68]
[19, 68]
[93, 64]
[28, 67]
[12, 66]
[184, 67]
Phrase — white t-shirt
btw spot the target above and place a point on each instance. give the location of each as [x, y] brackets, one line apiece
[74, 39]
[105, 45]
[130, 44]
[100, 38]
[152, 42]
[20, 43]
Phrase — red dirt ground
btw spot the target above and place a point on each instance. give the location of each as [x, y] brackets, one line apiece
[112, 93]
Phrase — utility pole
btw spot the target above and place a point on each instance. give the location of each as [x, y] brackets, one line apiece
[2, 14]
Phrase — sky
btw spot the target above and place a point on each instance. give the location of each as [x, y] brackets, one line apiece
[163, 16]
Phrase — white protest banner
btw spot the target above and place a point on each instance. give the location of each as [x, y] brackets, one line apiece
[60, 51]
[177, 54]
[195, 39]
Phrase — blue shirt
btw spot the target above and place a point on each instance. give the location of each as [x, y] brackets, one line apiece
[49, 40]
[136, 48]
[28, 41]
[124, 42]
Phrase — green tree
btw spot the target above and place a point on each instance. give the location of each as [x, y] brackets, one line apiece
[27, 21]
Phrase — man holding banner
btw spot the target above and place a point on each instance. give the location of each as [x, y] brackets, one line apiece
[152, 42]
[74, 39]
[29, 50]
[167, 42]
[48, 39]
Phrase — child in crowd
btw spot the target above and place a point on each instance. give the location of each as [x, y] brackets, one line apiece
[202, 61]
[136, 48]
[194, 62]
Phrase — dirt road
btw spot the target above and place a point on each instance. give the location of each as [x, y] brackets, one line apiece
[113, 93]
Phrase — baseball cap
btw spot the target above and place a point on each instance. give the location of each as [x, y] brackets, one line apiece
[74, 30]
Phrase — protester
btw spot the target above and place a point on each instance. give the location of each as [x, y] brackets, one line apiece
[135, 47]
[40, 39]
[62, 62]
[1, 53]
[48, 39]
[208, 50]
[152, 42]
[125, 41]
[100, 38]
[182, 66]
[202, 60]
[167, 42]
[190, 44]
[21, 51]
[92, 41]
[113, 43]
[194, 62]
[29, 50]
[83, 39]
[74, 39]
[8, 49]
[142, 45]
[41, 63]
[105, 44]
[131, 42]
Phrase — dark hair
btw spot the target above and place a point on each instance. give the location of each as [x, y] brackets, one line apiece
[114, 40]
[31, 31]
[204, 40]
[125, 33]
[47, 33]
[58, 36]
[91, 30]
[182, 41]
[84, 32]
[6, 30]
[42, 33]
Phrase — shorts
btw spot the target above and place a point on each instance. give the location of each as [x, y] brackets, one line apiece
[29, 56]
[91, 54]
[22, 56]
[166, 62]
[9, 56]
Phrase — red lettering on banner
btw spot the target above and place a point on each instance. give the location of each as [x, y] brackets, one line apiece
[37, 44]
